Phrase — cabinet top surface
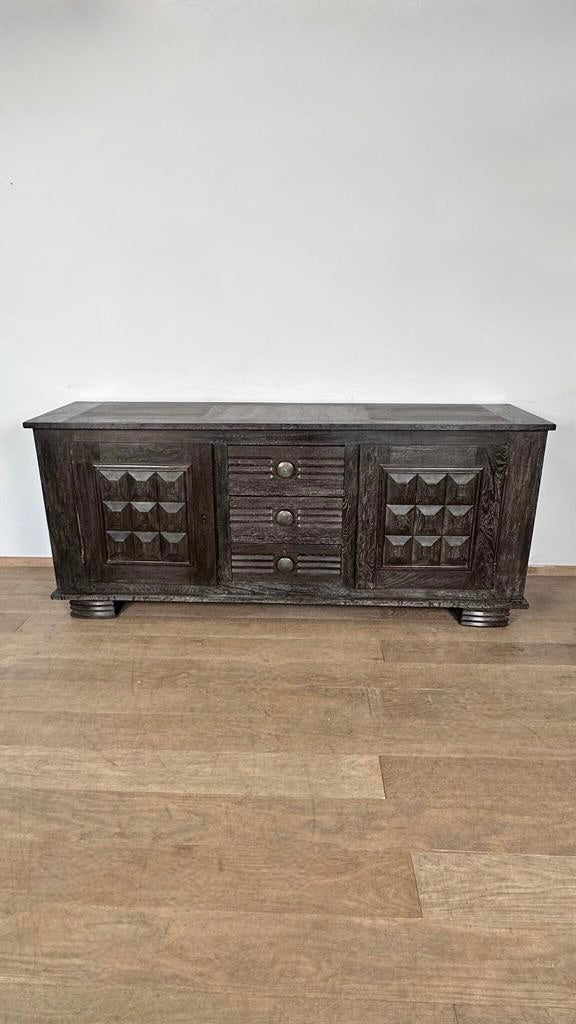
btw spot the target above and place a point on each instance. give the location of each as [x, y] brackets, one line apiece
[261, 415]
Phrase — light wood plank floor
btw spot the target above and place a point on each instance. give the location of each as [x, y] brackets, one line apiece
[268, 815]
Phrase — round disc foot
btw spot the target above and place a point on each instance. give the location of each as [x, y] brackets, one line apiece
[93, 609]
[483, 616]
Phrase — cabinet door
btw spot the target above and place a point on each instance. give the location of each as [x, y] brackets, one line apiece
[145, 511]
[429, 515]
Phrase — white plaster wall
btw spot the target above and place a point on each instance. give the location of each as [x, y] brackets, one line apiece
[326, 200]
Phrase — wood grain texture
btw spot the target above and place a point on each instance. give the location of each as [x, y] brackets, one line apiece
[503, 1014]
[25, 561]
[481, 652]
[485, 888]
[185, 771]
[53, 621]
[372, 825]
[519, 508]
[279, 954]
[123, 528]
[162, 819]
[256, 415]
[97, 1003]
[460, 778]
[11, 621]
[408, 492]
[93, 642]
[312, 878]
[158, 686]
[339, 723]
[219, 822]
[552, 570]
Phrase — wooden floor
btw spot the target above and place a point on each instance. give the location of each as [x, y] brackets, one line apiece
[268, 815]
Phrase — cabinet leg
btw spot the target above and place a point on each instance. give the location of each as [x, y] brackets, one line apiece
[483, 616]
[94, 609]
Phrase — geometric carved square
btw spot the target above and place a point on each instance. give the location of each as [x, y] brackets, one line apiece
[461, 488]
[144, 513]
[398, 550]
[401, 488]
[458, 520]
[119, 545]
[400, 519]
[429, 516]
[170, 484]
[431, 488]
[172, 515]
[455, 551]
[426, 550]
[114, 514]
[146, 546]
[173, 546]
[429, 519]
[113, 484]
[142, 484]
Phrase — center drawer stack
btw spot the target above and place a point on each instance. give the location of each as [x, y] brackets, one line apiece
[286, 511]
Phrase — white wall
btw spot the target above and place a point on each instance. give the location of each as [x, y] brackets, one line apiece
[322, 200]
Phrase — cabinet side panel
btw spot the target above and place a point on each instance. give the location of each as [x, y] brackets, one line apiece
[519, 511]
[53, 450]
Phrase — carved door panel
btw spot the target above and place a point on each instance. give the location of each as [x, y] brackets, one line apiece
[146, 511]
[429, 515]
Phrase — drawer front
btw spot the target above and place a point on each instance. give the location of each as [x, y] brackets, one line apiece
[278, 470]
[286, 564]
[278, 520]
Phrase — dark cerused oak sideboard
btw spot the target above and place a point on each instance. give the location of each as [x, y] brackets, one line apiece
[420, 505]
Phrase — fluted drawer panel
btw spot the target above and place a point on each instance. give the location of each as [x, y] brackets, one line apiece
[315, 520]
[317, 469]
[306, 565]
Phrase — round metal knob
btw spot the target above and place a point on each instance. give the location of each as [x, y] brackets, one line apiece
[285, 469]
[284, 517]
[284, 565]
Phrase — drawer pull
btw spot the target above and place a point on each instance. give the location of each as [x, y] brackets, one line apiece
[284, 517]
[285, 565]
[285, 469]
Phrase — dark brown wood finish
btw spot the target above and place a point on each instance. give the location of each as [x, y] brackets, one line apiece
[294, 416]
[320, 504]
[430, 515]
[146, 511]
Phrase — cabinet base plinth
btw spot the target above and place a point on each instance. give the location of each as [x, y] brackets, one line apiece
[94, 609]
[483, 616]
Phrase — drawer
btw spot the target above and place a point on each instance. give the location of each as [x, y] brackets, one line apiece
[279, 520]
[286, 564]
[278, 470]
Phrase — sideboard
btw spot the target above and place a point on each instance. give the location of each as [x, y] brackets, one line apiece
[418, 505]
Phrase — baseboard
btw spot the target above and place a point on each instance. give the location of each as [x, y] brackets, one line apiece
[8, 561]
[552, 570]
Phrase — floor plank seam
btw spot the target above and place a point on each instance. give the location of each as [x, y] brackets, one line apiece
[416, 883]
[382, 777]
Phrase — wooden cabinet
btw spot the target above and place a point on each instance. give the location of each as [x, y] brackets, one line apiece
[389, 505]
